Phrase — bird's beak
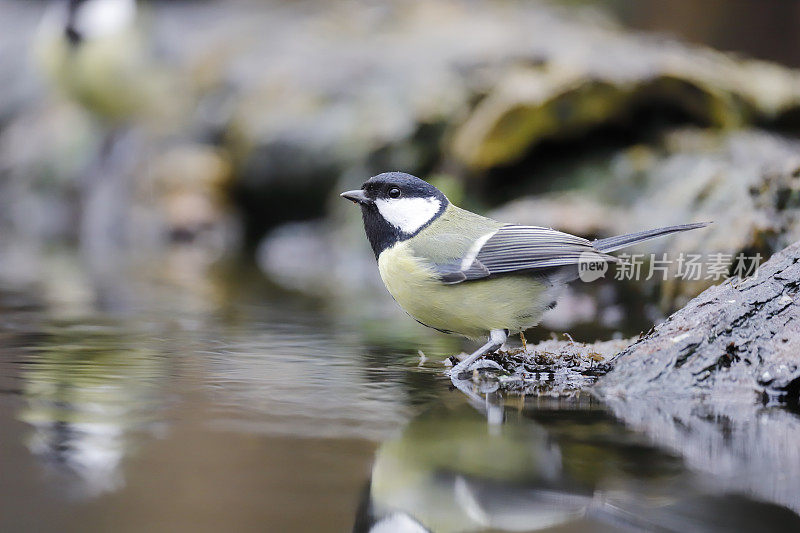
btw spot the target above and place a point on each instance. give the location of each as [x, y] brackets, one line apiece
[356, 196]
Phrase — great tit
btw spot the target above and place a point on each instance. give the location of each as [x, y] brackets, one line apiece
[95, 53]
[85, 48]
[446, 472]
[459, 272]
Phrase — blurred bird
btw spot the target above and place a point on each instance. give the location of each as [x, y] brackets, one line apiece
[459, 272]
[445, 472]
[93, 53]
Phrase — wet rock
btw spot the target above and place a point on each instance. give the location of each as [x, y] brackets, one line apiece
[738, 340]
[556, 368]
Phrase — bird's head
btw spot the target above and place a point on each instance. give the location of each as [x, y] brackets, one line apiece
[90, 19]
[396, 206]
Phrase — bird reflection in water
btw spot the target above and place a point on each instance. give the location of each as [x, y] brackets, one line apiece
[85, 400]
[560, 464]
[450, 471]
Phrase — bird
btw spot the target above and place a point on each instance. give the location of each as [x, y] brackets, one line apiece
[99, 54]
[91, 52]
[445, 472]
[462, 273]
[102, 57]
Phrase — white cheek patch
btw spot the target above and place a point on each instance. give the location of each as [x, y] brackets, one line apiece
[99, 18]
[408, 214]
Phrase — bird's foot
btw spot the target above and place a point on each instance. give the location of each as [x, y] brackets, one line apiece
[485, 363]
[466, 371]
[496, 339]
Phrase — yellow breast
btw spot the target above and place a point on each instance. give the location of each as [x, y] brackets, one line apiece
[472, 309]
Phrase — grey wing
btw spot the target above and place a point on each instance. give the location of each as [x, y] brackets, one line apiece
[521, 248]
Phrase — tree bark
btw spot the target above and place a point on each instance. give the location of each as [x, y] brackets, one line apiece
[736, 340]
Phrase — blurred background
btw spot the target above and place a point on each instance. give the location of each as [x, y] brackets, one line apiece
[187, 304]
[175, 136]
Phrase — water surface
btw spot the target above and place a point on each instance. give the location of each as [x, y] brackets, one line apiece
[222, 404]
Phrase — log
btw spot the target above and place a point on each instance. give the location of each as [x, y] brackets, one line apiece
[735, 341]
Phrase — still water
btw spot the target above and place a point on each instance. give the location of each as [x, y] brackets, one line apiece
[222, 404]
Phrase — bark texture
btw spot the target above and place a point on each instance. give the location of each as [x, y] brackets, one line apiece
[736, 340]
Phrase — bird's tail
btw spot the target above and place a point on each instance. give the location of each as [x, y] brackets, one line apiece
[622, 241]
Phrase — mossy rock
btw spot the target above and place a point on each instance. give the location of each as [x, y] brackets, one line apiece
[568, 98]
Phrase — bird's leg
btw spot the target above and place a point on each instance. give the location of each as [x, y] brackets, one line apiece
[524, 342]
[496, 339]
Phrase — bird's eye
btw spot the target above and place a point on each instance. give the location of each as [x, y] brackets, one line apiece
[394, 192]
